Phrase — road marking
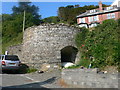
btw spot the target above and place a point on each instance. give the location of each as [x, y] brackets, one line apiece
[27, 77]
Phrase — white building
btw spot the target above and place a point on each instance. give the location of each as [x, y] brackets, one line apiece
[116, 3]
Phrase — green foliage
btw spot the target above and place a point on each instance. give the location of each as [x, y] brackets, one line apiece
[6, 42]
[52, 19]
[26, 69]
[32, 9]
[6, 17]
[101, 45]
[30, 70]
[68, 14]
[12, 28]
[73, 67]
[84, 62]
[0, 37]
[12, 24]
[81, 36]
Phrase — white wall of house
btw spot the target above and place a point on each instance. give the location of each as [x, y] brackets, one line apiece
[93, 25]
[83, 25]
[116, 2]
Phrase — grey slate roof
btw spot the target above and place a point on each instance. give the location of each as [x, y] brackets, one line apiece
[87, 13]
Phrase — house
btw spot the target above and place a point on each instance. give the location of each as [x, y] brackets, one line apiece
[96, 16]
[116, 2]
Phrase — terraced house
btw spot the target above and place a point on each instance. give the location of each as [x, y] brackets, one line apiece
[93, 17]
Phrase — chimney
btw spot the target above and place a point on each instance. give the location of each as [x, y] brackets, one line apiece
[100, 6]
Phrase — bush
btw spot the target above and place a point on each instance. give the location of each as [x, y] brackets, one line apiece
[84, 62]
[26, 69]
[81, 36]
[101, 44]
[30, 70]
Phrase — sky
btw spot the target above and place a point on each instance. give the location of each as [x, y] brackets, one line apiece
[47, 9]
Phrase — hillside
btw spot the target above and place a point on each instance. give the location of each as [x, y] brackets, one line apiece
[100, 46]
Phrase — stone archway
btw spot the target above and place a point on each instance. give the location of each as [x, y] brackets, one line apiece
[68, 54]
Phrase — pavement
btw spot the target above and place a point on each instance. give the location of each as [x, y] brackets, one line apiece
[32, 80]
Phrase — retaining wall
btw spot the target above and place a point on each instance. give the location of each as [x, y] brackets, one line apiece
[89, 78]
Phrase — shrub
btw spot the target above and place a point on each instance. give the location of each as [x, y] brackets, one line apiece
[101, 44]
[30, 70]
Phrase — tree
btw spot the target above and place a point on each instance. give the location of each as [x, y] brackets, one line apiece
[68, 14]
[70, 6]
[6, 17]
[12, 24]
[52, 19]
[32, 9]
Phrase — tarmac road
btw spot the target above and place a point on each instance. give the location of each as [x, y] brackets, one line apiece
[32, 80]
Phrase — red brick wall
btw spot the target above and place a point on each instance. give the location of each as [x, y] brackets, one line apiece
[101, 18]
[78, 21]
[104, 17]
[117, 15]
[86, 19]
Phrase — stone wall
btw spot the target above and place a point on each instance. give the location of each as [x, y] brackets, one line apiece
[15, 50]
[89, 78]
[43, 43]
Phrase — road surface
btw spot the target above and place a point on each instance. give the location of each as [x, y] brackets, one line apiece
[33, 80]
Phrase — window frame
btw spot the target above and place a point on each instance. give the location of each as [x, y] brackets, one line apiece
[82, 20]
[108, 16]
[112, 15]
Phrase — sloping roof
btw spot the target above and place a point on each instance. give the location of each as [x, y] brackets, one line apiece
[115, 7]
[87, 13]
[83, 14]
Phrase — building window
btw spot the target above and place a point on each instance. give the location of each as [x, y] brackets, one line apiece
[113, 15]
[109, 8]
[82, 20]
[93, 11]
[96, 18]
[108, 16]
[90, 19]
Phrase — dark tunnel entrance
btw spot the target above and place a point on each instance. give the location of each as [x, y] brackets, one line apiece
[68, 54]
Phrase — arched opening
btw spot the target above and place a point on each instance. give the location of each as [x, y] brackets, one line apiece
[68, 54]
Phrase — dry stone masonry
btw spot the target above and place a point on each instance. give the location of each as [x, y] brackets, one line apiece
[89, 78]
[15, 50]
[43, 43]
